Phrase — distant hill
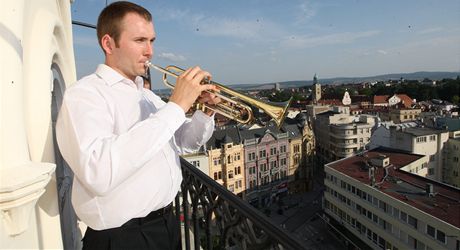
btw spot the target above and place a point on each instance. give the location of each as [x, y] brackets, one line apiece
[340, 80]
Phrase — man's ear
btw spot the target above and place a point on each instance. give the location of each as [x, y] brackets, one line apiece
[107, 44]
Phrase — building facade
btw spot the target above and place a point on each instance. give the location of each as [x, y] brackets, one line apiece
[226, 159]
[451, 162]
[266, 156]
[341, 135]
[400, 115]
[424, 141]
[381, 206]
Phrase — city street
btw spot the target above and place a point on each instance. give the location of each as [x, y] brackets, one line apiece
[300, 214]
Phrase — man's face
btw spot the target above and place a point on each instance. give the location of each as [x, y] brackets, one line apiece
[135, 46]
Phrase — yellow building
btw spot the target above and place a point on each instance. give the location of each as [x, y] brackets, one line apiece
[401, 115]
[226, 159]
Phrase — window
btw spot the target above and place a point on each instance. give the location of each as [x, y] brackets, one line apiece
[296, 148]
[412, 221]
[431, 231]
[230, 174]
[262, 153]
[283, 162]
[252, 156]
[441, 236]
[403, 216]
[421, 139]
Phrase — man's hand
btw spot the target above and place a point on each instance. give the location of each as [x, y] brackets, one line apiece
[188, 87]
[209, 99]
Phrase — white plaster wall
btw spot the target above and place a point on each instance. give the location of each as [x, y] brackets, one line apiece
[33, 36]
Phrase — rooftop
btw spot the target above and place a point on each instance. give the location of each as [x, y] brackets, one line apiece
[404, 186]
[418, 131]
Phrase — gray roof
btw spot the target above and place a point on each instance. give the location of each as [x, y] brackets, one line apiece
[423, 131]
[229, 134]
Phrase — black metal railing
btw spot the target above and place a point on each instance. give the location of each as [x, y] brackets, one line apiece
[214, 218]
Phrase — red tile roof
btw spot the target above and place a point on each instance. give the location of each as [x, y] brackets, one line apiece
[406, 100]
[381, 99]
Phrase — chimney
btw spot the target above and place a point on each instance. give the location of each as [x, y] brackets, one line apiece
[381, 161]
[429, 189]
[372, 176]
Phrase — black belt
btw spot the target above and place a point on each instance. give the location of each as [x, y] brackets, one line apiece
[150, 217]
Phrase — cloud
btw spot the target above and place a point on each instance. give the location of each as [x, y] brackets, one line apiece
[430, 30]
[306, 12]
[303, 41]
[172, 57]
[255, 29]
[230, 28]
[381, 51]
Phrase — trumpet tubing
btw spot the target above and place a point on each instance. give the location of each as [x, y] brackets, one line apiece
[234, 105]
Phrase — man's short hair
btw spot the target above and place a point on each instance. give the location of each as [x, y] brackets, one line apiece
[109, 21]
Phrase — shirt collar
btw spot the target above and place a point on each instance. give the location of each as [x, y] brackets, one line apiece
[111, 76]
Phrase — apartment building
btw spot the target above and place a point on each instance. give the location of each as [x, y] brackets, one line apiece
[266, 160]
[226, 159]
[340, 135]
[451, 160]
[424, 141]
[296, 174]
[376, 204]
[301, 152]
[199, 159]
[381, 134]
[400, 115]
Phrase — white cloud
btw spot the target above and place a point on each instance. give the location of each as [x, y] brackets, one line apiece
[172, 57]
[306, 12]
[221, 26]
[303, 41]
[430, 30]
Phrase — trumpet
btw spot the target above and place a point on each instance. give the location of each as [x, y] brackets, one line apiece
[234, 105]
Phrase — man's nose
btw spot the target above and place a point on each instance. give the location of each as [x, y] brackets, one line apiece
[149, 50]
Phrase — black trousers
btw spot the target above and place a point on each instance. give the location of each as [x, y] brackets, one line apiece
[160, 232]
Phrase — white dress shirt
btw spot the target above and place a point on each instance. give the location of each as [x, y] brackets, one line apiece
[122, 143]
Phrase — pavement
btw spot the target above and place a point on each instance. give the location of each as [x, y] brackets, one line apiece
[301, 214]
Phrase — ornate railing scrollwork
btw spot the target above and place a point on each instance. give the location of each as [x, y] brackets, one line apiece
[215, 218]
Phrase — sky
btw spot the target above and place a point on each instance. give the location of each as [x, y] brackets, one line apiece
[267, 41]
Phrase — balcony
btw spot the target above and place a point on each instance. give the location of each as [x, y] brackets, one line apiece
[214, 218]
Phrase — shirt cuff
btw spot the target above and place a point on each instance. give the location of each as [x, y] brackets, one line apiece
[202, 117]
[173, 115]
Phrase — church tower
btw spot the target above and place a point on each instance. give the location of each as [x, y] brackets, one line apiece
[316, 90]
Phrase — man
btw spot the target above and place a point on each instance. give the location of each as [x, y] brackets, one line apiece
[122, 141]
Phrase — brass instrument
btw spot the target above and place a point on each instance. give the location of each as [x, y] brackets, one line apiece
[234, 105]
